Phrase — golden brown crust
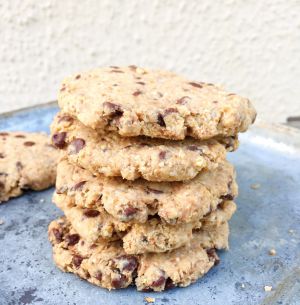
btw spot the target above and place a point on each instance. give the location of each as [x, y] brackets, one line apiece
[155, 103]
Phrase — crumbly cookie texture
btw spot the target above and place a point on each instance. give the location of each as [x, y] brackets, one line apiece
[27, 161]
[135, 101]
[173, 202]
[132, 158]
[153, 236]
[106, 264]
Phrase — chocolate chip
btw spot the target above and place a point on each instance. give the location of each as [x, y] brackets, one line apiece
[3, 174]
[129, 211]
[195, 85]
[4, 134]
[169, 284]
[170, 110]
[137, 93]
[160, 120]
[78, 186]
[62, 89]
[183, 100]
[76, 260]
[76, 145]
[230, 94]
[116, 71]
[19, 165]
[58, 139]
[141, 83]
[116, 110]
[72, 239]
[20, 136]
[58, 235]
[151, 190]
[132, 67]
[144, 239]
[193, 147]
[115, 67]
[29, 143]
[212, 254]
[227, 197]
[159, 282]
[77, 76]
[65, 118]
[119, 281]
[215, 102]
[2, 156]
[98, 276]
[162, 155]
[91, 213]
[126, 262]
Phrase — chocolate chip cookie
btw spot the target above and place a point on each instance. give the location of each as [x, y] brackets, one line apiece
[107, 265]
[134, 101]
[27, 161]
[132, 158]
[172, 202]
[153, 236]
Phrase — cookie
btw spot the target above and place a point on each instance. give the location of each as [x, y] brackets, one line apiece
[173, 202]
[153, 236]
[132, 158]
[158, 238]
[106, 264]
[27, 161]
[134, 101]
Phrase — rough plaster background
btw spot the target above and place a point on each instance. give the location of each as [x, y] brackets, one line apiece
[250, 46]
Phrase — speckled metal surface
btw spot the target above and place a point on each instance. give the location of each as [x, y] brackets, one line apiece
[267, 217]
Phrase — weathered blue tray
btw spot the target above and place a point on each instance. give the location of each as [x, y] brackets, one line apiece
[268, 217]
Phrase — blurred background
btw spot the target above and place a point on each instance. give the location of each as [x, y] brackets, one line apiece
[251, 47]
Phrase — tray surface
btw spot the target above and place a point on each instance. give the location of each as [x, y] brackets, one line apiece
[267, 217]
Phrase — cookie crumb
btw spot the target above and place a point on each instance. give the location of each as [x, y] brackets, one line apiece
[255, 186]
[1, 222]
[272, 252]
[291, 231]
[149, 300]
[268, 288]
[243, 285]
[42, 200]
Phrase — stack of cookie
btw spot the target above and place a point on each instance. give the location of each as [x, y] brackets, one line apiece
[144, 183]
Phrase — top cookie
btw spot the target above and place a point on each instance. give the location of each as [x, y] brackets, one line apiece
[27, 161]
[135, 101]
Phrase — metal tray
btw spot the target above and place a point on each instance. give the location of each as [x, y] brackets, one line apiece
[267, 217]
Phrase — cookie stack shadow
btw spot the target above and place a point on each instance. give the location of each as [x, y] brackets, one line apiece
[144, 182]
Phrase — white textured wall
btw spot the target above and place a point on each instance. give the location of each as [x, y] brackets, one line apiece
[252, 47]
